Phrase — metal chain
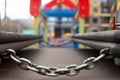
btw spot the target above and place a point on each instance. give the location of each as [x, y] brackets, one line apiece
[69, 70]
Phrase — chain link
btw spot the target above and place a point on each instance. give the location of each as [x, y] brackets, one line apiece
[90, 62]
[42, 70]
[72, 70]
[13, 56]
[69, 70]
[52, 72]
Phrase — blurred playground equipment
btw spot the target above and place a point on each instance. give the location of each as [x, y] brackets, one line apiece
[57, 20]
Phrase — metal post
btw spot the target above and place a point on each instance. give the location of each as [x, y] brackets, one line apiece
[104, 36]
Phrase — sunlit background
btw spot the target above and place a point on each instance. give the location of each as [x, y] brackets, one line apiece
[17, 9]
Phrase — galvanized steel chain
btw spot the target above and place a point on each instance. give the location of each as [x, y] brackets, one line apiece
[69, 70]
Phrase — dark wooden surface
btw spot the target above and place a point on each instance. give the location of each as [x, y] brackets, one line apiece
[60, 57]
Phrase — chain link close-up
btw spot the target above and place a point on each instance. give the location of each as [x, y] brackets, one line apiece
[70, 70]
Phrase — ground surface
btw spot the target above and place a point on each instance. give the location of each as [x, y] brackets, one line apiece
[60, 57]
